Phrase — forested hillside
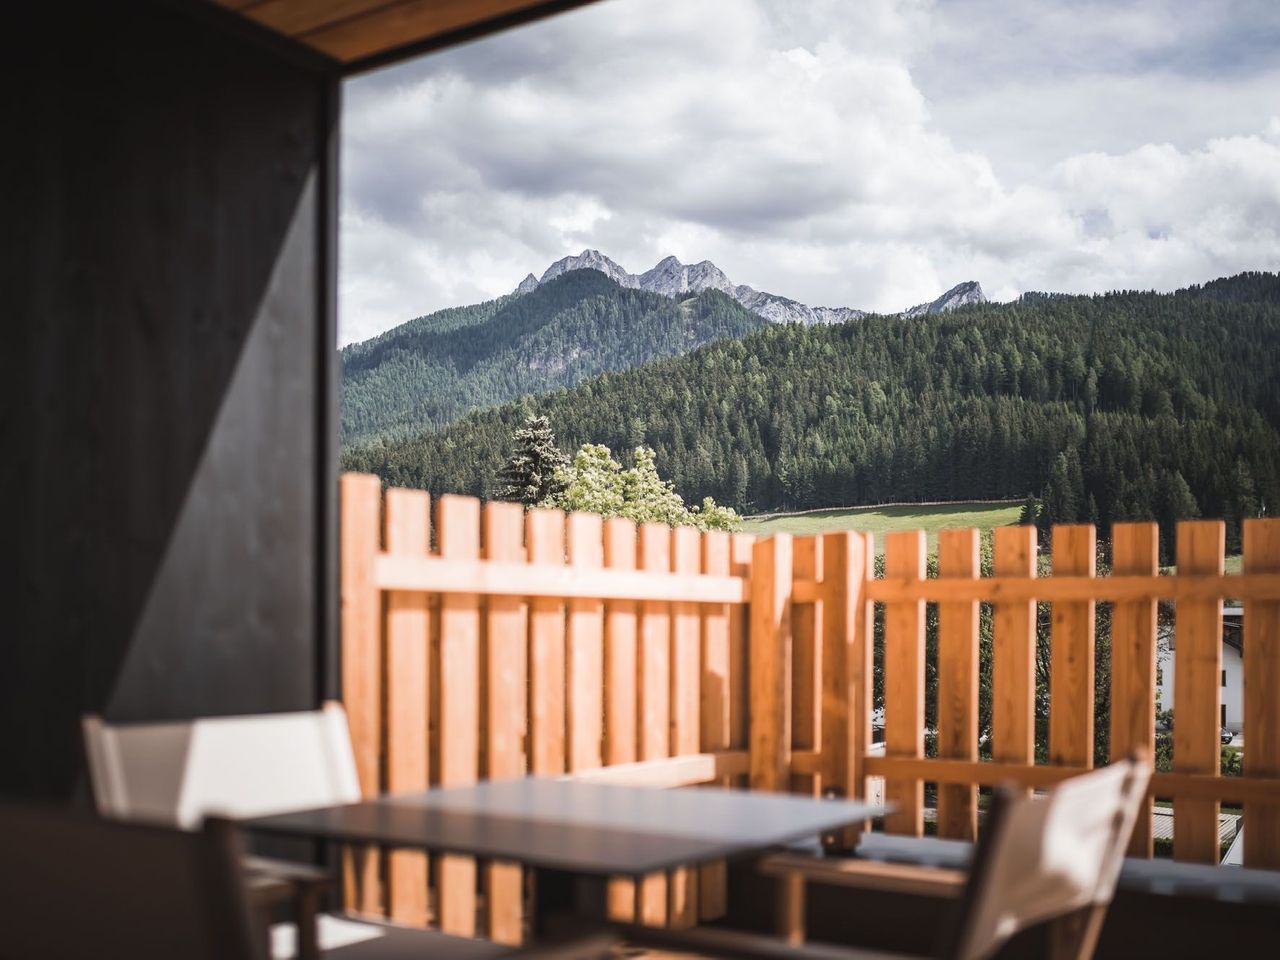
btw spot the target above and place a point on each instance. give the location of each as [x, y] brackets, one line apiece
[432, 370]
[1129, 405]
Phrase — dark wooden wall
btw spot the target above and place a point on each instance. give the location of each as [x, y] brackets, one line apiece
[165, 376]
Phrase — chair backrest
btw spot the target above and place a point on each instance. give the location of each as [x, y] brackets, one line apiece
[1047, 858]
[178, 773]
[74, 887]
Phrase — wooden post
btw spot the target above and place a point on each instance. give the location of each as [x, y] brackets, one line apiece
[1135, 551]
[458, 527]
[1073, 654]
[585, 650]
[806, 665]
[655, 693]
[505, 653]
[1262, 695]
[1197, 690]
[360, 496]
[904, 559]
[1013, 681]
[715, 692]
[958, 684]
[791, 907]
[620, 702]
[407, 529]
[741, 550]
[686, 683]
[546, 650]
[770, 663]
[847, 628]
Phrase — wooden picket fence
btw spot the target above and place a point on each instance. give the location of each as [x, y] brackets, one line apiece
[1133, 589]
[481, 641]
[495, 643]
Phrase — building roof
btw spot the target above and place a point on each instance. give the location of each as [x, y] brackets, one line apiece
[361, 34]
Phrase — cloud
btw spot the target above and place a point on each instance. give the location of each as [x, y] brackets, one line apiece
[805, 149]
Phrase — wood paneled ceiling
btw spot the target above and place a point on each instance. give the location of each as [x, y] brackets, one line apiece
[359, 34]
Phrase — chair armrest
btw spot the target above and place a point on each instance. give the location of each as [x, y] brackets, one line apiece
[867, 874]
[298, 874]
[265, 892]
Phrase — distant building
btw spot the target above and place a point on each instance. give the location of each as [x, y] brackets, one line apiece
[1232, 675]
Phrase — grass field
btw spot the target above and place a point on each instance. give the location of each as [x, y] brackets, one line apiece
[882, 520]
[1234, 563]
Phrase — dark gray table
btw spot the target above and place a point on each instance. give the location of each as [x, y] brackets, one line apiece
[569, 829]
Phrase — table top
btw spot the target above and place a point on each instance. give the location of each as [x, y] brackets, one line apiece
[590, 828]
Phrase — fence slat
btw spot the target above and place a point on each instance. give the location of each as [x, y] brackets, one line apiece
[655, 693]
[360, 496]
[686, 684]
[741, 550]
[715, 692]
[407, 531]
[1135, 550]
[848, 558]
[620, 702]
[1197, 690]
[770, 658]
[458, 534]
[505, 697]
[545, 538]
[585, 649]
[958, 684]
[806, 663]
[1073, 652]
[904, 558]
[686, 652]
[1013, 680]
[1262, 695]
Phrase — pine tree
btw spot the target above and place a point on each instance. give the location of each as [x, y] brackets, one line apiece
[1030, 515]
[1177, 502]
[529, 475]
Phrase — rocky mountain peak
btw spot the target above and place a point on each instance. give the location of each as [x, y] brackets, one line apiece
[672, 278]
[961, 295]
[590, 260]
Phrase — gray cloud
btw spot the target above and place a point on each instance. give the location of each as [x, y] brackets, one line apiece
[863, 155]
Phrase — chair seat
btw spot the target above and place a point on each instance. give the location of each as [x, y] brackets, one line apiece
[342, 938]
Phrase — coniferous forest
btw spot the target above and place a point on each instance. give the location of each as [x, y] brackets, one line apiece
[430, 371]
[1120, 406]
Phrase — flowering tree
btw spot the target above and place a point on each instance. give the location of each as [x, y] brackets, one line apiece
[596, 483]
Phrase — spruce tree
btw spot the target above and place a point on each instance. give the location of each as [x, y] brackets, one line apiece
[1030, 515]
[529, 475]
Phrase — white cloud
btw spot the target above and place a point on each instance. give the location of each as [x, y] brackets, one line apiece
[800, 147]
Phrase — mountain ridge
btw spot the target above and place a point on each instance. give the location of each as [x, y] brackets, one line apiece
[432, 370]
[671, 278]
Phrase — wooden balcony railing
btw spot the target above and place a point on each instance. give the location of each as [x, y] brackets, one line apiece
[480, 641]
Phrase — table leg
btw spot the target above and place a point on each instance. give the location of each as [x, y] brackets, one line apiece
[568, 903]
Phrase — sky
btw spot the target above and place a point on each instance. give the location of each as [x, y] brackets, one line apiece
[866, 154]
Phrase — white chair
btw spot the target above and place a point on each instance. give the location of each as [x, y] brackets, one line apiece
[1051, 860]
[178, 773]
